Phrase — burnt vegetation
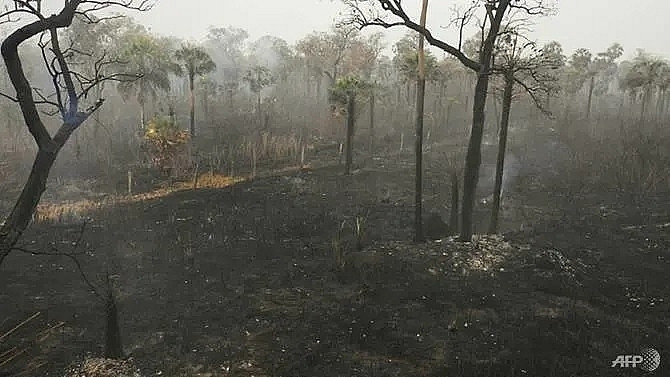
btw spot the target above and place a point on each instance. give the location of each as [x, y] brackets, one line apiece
[462, 201]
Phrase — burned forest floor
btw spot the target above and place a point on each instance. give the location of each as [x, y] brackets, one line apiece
[312, 273]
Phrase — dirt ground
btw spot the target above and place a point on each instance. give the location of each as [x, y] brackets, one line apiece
[244, 281]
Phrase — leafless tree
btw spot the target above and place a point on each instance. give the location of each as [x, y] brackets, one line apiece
[523, 65]
[69, 100]
[491, 14]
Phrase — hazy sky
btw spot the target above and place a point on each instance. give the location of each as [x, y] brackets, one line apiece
[593, 24]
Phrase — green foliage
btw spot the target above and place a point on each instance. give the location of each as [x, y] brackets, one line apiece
[645, 72]
[406, 60]
[164, 142]
[195, 60]
[348, 86]
[584, 66]
[258, 78]
[581, 60]
[553, 51]
[150, 59]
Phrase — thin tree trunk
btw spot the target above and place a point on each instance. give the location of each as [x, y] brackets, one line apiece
[643, 105]
[191, 85]
[258, 109]
[502, 146]
[351, 107]
[418, 148]
[659, 104]
[372, 125]
[142, 116]
[497, 114]
[592, 82]
[205, 104]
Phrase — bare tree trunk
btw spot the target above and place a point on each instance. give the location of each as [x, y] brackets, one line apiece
[592, 82]
[502, 146]
[643, 105]
[113, 345]
[191, 85]
[25, 206]
[453, 215]
[231, 102]
[259, 110]
[497, 114]
[372, 124]
[473, 156]
[418, 148]
[659, 104]
[205, 104]
[351, 116]
[143, 120]
[48, 146]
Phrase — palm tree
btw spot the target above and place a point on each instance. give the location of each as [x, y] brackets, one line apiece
[148, 58]
[345, 93]
[643, 76]
[196, 62]
[258, 78]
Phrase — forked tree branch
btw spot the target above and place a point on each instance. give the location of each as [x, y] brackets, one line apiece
[19, 218]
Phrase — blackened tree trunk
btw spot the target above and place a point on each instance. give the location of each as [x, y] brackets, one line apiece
[497, 114]
[259, 111]
[372, 124]
[418, 147]
[473, 156]
[502, 146]
[453, 215]
[592, 82]
[643, 105]
[48, 146]
[191, 87]
[25, 206]
[351, 117]
[205, 103]
[113, 345]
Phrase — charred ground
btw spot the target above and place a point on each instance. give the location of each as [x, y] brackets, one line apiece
[243, 280]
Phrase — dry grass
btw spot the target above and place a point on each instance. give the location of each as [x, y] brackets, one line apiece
[80, 210]
[75, 211]
[23, 358]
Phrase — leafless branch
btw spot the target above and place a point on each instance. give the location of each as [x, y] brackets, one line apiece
[73, 99]
[7, 96]
[393, 7]
[534, 7]
[463, 17]
[87, 18]
[53, 72]
[72, 255]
